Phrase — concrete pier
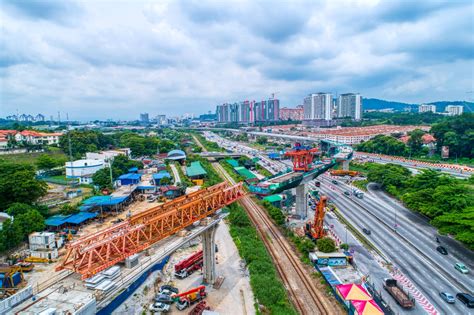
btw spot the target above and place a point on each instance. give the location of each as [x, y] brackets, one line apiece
[302, 201]
[209, 255]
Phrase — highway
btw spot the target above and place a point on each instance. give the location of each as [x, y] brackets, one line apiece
[411, 248]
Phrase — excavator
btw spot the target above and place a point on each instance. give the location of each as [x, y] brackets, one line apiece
[315, 230]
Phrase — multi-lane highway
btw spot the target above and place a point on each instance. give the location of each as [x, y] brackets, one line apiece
[411, 246]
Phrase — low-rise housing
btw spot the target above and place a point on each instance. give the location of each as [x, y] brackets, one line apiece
[83, 169]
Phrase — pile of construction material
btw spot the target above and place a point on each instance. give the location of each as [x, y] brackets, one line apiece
[103, 282]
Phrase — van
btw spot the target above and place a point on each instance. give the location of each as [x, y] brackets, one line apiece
[466, 298]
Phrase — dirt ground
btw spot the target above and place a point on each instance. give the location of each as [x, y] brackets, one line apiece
[233, 297]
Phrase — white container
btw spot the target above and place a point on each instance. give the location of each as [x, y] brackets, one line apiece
[45, 253]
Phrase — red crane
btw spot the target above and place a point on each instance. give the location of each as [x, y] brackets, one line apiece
[302, 157]
[316, 229]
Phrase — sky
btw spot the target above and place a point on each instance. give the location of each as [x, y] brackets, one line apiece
[115, 59]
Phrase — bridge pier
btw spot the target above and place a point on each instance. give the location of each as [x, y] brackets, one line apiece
[302, 201]
[209, 255]
[345, 165]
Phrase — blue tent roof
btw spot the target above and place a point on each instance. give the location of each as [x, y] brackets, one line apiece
[80, 217]
[132, 176]
[133, 169]
[161, 175]
[104, 201]
[56, 220]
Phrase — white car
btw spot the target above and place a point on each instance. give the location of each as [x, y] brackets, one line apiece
[159, 307]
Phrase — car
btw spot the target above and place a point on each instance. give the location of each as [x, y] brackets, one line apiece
[335, 182]
[347, 193]
[447, 297]
[366, 231]
[466, 298]
[163, 298]
[168, 288]
[461, 268]
[442, 250]
[159, 307]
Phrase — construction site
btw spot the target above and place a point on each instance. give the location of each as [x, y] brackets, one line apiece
[176, 254]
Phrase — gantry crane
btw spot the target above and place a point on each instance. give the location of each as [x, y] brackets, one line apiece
[302, 157]
[315, 230]
[96, 252]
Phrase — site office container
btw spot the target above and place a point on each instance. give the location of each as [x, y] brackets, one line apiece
[45, 253]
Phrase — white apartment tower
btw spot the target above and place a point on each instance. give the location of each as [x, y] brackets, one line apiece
[318, 106]
[454, 110]
[349, 105]
[424, 108]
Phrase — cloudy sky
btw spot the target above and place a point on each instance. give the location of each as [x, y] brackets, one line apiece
[115, 59]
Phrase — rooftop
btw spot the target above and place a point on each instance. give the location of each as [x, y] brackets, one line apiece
[195, 169]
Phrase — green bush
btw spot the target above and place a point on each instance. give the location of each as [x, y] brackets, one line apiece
[344, 246]
[326, 245]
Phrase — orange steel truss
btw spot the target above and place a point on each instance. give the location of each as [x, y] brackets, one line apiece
[96, 252]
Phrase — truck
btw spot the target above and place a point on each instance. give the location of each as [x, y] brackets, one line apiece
[187, 266]
[397, 292]
[200, 308]
[344, 173]
[186, 299]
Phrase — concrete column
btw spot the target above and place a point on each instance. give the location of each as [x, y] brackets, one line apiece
[345, 165]
[302, 201]
[209, 255]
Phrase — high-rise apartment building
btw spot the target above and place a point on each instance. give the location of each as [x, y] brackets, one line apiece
[292, 113]
[249, 112]
[349, 105]
[424, 108]
[144, 118]
[453, 110]
[318, 106]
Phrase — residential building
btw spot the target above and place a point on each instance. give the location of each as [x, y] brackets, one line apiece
[248, 112]
[107, 156]
[349, 105]
[83, 168]
[29, 137]
[292, 113]
[318, 106]
[424, 108]
[161, 120]
[144, 118]
[454, 110]
[272, 110]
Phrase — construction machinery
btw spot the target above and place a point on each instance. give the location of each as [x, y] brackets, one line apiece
[11, 278]
[315, 230]
[344, 173]
[98, 251]
[187, 266]
[302, 157]
[185, 299]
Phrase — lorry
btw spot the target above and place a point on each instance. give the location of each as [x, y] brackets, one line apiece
[344, 173]
[185, 299]
[397, 292]
[187, 266]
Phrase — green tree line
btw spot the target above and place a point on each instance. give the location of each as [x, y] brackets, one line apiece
[447, 201]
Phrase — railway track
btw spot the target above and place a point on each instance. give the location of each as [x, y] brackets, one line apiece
[305, 296]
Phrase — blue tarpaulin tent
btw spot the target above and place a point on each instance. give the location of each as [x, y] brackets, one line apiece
[130, 178]
[80, 217]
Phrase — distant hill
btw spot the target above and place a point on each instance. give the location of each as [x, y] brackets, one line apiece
[375, 103]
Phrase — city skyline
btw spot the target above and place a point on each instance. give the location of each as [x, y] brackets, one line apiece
[177, 57]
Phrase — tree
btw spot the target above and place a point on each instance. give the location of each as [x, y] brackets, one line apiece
[165, 181]
[45, 162]
[101, 178]
[31, 221]
[415, 143]
[18, 208]
[326, 245]
[10, 234]
[262, 140]
[18, 184]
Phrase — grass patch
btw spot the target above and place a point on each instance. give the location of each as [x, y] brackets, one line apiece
[262, 170]
[266, 285]
[32, 157]
[361, 184]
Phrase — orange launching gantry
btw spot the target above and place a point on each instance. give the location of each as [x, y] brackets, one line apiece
[316, 230]
[302, 157]
[98, 251]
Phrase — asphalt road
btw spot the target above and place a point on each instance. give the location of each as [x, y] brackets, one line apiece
[424, 269]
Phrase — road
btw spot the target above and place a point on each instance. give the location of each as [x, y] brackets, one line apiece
[411, 248]
[417, 165]
[176, 177]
